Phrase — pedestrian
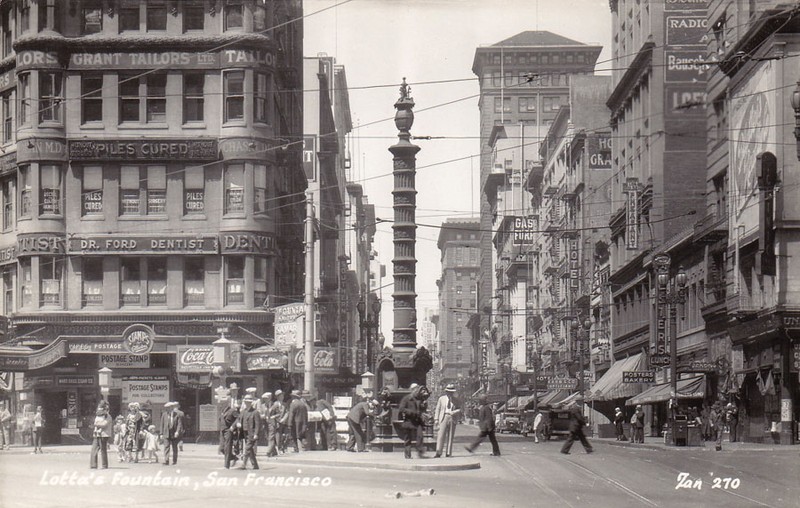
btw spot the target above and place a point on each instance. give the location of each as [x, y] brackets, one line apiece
[445, 419]
[228, 419]
[619, 421]
[716, 418]
[119, 437]
[298, 421]
[133, 426]
[637, 424]
[412, 408]
[102, 430]
[262, 406]
[38, 430]
[356, 418]
[172, 429]
[487, 426]
[5, 426]
[328, 439]
[705, 426]
[538, 425]
[250, 425]
[732, 419]
[576, 424]
[274, 415]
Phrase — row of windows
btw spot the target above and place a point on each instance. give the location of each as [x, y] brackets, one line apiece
[521, 79]
[142, 191]
[142, 99]
[536, 58]
[142, 282]
[527, 104]
[144, 16]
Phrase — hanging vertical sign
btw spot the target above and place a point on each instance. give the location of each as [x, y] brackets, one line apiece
[633, 189]
[574, 264]
[660, 356]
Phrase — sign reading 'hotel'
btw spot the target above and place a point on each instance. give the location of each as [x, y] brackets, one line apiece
[162, 149]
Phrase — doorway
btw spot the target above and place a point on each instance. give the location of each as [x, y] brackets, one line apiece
[53, 403]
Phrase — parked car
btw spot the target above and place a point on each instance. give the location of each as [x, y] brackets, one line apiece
[509, 421]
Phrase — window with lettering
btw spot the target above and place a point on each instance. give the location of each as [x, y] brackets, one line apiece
[259, 281]
[261, 98]
[193, 280]
[130, 281]
[8, 205]
[8, 117]
[156, 15]
[260, 200]
[234, 188]
[194, 190]
[24, 97]
[233, 90]
[92, 280]
[25, 189]
[234, 280]
[129, 15]
[156, 190]
[51, 96]
[156, 281]
[234, 15]
[193, 15]
[25, 282]
[8, 289]
[50, 190]
[92, 17]
[193, 99]
[50, 271]
[50, 15]
[129, 190]
[91, 98]
[92, 191]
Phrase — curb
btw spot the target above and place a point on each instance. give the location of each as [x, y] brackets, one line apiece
[400, 466]
[710, 448]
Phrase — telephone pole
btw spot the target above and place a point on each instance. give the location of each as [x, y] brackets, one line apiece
[308, 379]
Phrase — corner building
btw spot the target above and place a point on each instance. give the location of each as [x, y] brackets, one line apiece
[152, 197]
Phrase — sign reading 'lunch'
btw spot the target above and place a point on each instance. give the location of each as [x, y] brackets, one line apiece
[162, 149]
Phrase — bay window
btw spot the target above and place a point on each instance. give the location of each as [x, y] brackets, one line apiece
[25, 282]
[24, 93]
[24, 16]
[6, 11]
[8, 289]
[25, 189]
[259, 188]
[8, 205]
[129, 16]
[156, 97]
[92, 17]
[260, 22]
[193, 15]
[51, 97]
[50, 190]
[261, 91]
[92, 191]
[50, 271]
[128, 98]
[193, 280]
[49, 15]
[194, 192]
[234, 188]
[233, 90]
[143, 97]
[130, 280]
[92, 279]
[234, 280]
[259, 281]
[157, 281]
[8, 117]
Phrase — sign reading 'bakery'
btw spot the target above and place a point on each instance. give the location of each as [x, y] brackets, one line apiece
[160, 149]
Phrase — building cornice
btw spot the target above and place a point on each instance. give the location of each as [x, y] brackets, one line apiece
[637, 70]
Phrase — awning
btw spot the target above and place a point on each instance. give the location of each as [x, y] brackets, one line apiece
[569, 400]
[553, 397]
[610, 386]
[691, 388]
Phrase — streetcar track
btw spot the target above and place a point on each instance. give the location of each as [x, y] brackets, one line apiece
[529, 475]
[616, 484]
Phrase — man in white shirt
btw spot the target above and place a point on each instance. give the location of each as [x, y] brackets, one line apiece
[444, 417]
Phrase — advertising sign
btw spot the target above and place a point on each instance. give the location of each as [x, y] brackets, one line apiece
[209, 418]
[524, 230]
[72, 405]
[599, 146]
[150, 389]
[685, 66]
[310, 157]
[289, 325]
[686, 29]
[138, 339]
[574, 264]
[179, 244]
[171, 59]
[634, 376]
[124, 361]
[632, 188]
[151, 150]
[74, 380]
[273, 360]
[47, 356]
[562, 383]
[326, 360]
[195, 358]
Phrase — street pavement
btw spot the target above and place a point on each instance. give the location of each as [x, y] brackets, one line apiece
[527, 474]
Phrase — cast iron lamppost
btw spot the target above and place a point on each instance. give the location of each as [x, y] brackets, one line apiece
[581, 329]
[795, 100]
[104, 380]
[367, 323]
[674, 295]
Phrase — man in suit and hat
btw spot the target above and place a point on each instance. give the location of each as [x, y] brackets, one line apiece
[486, 424]
[250, 422]
[275, 415]
[445, 419]
[576, 424]
[172, 429]
[412, 408]
[298, 421]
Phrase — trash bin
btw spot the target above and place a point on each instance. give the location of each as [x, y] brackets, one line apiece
[681, 433]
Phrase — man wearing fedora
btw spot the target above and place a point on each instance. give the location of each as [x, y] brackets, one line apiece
[172, 428]
[576, 424]
[445, 419]
[298, 421]
[250, 422]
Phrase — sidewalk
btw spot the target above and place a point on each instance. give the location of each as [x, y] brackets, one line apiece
[657, 443]
[372, 460]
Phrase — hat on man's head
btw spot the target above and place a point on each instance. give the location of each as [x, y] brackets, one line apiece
[638, 406]
[295, 393]
[266, 395]
[618, 410]
[450, 388]
[278, 392]
[483, 399]
[169, 404]
[249, 398]
[252, 389]
[413, 385]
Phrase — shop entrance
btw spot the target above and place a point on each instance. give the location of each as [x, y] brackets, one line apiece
[54, 407]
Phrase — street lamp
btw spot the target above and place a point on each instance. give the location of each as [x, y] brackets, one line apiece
[579, 328]
[104, 380]
[675, 295]
[366, 323]
[795, 101]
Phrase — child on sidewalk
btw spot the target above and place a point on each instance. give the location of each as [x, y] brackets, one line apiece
[151, 444]
[119, 437]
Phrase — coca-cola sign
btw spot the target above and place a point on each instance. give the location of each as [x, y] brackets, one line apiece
[195, 358]
[326, 360]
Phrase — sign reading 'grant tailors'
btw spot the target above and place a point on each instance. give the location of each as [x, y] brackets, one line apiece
[156, 149]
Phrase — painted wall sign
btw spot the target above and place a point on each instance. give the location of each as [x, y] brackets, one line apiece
[276, 360]
[155, 149]
[599, 147]
[310, 157]
[634, 376]
[41, 149]
[37, 60]
[152, 389]
[138, 339]
[247, 148]
[8, 163]
[95, 347]
[632, 188]
[124, 361]
[173, 59]
[326, 359]
[245, 243]
[74, 380]
[147, 244]
[685, 66]
[524, 230]
[40, 244]
[562, 383]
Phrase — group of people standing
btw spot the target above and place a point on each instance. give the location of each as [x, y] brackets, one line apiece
[135, 436]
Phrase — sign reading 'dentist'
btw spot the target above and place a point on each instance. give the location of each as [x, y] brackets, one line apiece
[148, 244]
[156, 149]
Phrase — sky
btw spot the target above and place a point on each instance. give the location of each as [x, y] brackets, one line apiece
[379, 42]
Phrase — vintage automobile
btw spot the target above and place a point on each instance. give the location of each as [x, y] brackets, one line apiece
[555, 422]
[509, 421]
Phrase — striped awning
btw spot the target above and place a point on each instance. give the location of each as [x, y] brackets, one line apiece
[690, 388]
[610, 386]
